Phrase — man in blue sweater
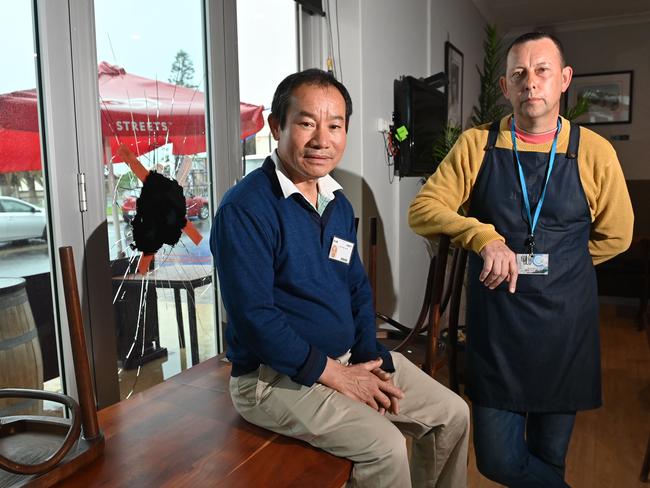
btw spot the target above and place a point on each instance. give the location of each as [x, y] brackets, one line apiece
[301, 331]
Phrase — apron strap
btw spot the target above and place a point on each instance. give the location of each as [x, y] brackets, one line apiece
[574, 142]
[492, 136]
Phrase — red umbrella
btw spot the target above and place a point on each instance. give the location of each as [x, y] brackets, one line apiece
[142, 113]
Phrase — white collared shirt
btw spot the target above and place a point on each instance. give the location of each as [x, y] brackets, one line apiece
[326, 185]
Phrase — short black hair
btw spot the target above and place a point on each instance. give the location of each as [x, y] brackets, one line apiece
[535, 36]
[312, 76]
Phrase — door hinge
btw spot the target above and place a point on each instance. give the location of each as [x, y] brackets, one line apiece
[81, 187]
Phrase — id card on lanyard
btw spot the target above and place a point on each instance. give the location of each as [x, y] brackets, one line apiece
[532, 263]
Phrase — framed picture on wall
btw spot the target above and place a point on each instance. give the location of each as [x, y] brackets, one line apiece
[609, 96]
[454, 72]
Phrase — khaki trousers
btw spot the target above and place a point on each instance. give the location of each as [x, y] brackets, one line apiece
[436, 418]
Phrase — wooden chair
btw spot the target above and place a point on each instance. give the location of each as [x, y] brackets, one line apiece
[456, 291]
[25, 439]
[442, 288]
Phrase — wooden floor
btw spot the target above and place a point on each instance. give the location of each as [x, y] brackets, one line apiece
[608, 444]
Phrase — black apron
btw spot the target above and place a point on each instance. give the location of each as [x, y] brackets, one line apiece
[537, 350]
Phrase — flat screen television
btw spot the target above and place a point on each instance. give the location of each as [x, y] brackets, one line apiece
[420, 109]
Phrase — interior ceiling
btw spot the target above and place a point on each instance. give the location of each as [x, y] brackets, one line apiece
[511, 16]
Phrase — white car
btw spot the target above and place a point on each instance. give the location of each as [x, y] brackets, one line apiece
[20, 220]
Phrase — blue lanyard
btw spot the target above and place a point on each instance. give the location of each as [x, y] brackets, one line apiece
[532, 220]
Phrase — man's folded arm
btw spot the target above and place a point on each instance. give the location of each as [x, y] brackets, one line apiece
[434, 210]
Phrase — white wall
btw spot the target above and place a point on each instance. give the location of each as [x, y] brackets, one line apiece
[619, 48]
[380, 41]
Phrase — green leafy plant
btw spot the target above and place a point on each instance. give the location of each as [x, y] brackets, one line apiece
[489, 107]
[581, 106]
[11, 184]
[445, 141]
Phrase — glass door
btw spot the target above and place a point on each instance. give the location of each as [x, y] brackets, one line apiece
[153, 108]
[160, 82]
[29, 339]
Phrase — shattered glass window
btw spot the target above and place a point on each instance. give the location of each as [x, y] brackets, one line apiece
[151, 83]
[152, 101]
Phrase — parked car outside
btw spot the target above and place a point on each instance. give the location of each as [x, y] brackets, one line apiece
[20, 220]
[197, 207]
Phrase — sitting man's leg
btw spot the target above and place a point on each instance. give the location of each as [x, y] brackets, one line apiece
[328, 420]
[435, 417]
[438, 421]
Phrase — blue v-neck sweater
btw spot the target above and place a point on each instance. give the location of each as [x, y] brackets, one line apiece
[289, 306]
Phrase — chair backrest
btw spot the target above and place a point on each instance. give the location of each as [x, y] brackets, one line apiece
[443, 291]
[78, 346]
[372, 268]
[456, 292]
[436, 308]
[436, 298]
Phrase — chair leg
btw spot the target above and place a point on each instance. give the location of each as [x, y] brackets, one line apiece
[433, 327]
[645, 470]
[372, 268]
[454, 309]
[645, 286]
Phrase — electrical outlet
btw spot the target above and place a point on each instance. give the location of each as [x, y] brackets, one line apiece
[382, 125]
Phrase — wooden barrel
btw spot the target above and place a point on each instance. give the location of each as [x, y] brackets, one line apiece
[21, 363]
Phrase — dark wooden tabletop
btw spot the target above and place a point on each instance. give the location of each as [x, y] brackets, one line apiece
[185, 433]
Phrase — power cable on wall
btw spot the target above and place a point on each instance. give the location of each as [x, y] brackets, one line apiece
[334, 67]
[389, 155]
[338, 40]
[333, 64]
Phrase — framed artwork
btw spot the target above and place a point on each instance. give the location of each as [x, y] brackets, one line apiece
[454, 72]
[609, 95]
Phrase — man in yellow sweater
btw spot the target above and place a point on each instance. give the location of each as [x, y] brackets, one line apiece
[544, 201]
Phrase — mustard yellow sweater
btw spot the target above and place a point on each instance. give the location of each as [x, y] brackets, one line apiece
[434, 209]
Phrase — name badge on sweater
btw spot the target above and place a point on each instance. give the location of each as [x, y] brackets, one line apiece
[341, 250]
[532, 264]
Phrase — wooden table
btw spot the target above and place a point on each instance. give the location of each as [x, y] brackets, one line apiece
[185, 433]
[177, 277]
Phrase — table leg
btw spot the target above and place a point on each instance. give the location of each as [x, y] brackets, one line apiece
[179, 318]
[191, 312]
